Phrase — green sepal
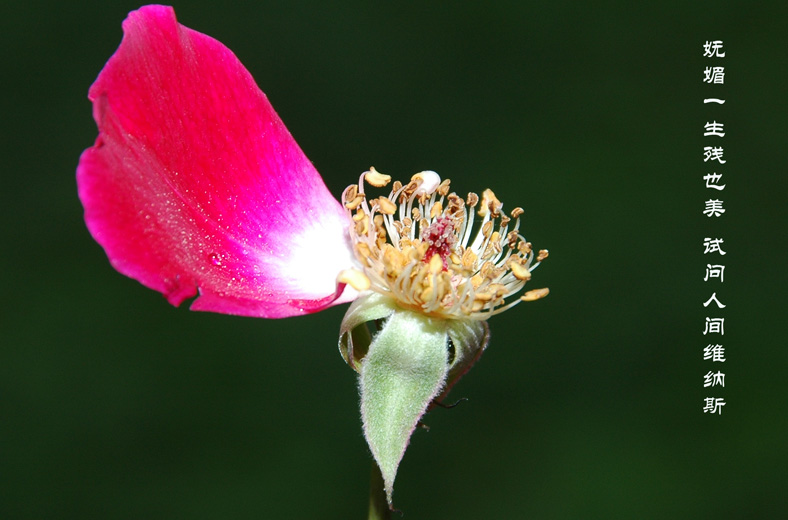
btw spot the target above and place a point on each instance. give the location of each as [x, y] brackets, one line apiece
[468, 338]
[404, 370]
[410, 363]
[354, 337]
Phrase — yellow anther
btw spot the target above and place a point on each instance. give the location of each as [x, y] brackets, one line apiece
[355, 202]
[362, 224]
[469, 259]
[363, 250]
[386, 206]
[436, 264]
[520, 272]
[524, 248]
[426, 294]
[487, 229]
[393, 260]
[495, 240]
[490, 204]
[511, 239]
[350, 192]
[476, 280]
[355, 279]
[536, 294]
[542, 255]
[443, 189]
[498, 289]
[516, 212]
[376, 179]
[472, 200]
[483, 296]
[436, 210]
[456, 206]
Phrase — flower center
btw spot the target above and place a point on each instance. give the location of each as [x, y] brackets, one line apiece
[440, 239]
[422, 246]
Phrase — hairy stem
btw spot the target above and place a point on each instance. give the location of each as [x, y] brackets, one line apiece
[378, 506]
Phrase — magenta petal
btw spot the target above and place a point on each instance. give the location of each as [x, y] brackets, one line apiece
[195, 183]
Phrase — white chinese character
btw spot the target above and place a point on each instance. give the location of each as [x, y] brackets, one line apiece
[714, 128]
[713, 245]
[712, 49]
[712, 179]
[714, 271]
[714, 75]
[713, 208]
[713, 154]
[715, 300]
[714, 379]
[713, 405]
[715, 326]
[716, 353]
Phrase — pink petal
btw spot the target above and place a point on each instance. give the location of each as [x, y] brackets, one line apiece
[195, 183]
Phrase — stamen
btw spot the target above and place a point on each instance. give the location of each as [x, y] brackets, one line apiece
[520, 272]
[421, 246]
[355, 279]
[377, 179]
[535, 294]
[386, 206]
[490, 204]
[436, 264]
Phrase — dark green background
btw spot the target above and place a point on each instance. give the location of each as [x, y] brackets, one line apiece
[588, 404]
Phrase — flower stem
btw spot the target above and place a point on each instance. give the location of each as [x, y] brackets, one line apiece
[378, 506]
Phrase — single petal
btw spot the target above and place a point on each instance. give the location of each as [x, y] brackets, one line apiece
[195, 183]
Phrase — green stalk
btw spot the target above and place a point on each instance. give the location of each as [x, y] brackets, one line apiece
[378, 506]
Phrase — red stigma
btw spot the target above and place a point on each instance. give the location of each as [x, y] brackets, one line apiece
[441, 240]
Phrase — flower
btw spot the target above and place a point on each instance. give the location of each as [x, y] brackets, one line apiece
[194, 187]
[434, 282]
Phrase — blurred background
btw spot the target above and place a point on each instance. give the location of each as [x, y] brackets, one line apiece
[587, 404]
